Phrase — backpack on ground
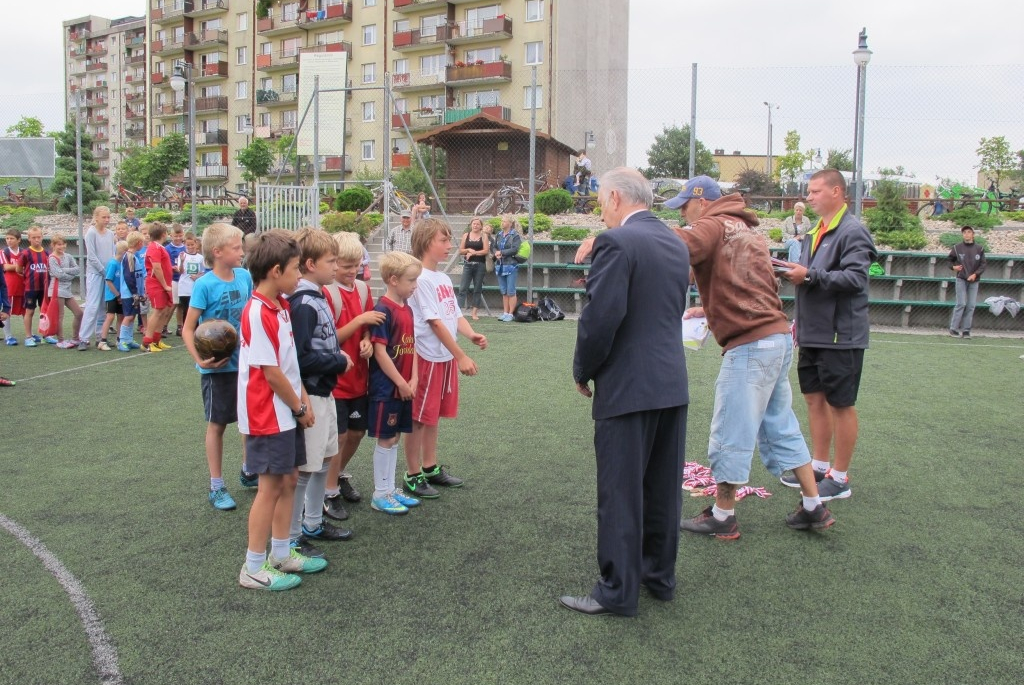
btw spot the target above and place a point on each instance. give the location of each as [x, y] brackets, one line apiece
[526, 312]
[549, 310]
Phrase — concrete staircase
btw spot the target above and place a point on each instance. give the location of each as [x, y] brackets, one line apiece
[375, 246]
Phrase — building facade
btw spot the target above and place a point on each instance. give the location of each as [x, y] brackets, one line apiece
[445, 60]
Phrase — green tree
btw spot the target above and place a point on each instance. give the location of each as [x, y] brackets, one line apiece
[256, 160]
[841, 160]
[995, 158]
[136, 167]
[789, 165]
[27, 127]
[757, 183]
[669, 155]
[65, 177]
[169, 159]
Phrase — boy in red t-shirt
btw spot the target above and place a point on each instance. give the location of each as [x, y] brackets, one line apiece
[15, 283]
[159, 275]
[352, 305]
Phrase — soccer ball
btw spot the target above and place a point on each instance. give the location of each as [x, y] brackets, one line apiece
[215, 339]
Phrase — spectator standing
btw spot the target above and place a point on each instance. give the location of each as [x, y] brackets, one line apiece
[243, 218]
[401, 239]
[968, 261]
[506, 247]
[474, 248]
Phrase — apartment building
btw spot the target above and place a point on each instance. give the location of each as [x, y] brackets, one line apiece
[446, 60]
[104, 74]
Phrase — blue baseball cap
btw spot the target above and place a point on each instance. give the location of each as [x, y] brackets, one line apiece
[703, 187]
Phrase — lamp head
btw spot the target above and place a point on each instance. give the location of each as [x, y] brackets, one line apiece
[178, 79]
[861, 56]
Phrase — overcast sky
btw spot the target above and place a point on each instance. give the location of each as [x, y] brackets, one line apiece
[943, 74]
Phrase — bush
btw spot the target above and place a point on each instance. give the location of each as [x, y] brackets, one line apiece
[953, 238]
[351, 222]
[569, 233]
[375, 218]
[541, 223]
[775, 234]
[205, 215]
[1014, 216]
[970, 216]
[353, 199]
[902, 240]
[553, 201]
[162, 215]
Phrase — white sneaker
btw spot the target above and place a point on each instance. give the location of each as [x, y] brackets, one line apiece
[267, 578]
[102, 345]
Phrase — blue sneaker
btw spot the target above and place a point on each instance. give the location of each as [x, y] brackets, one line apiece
[389, 505]
[11, 341]
[134, 345]
[405, 499]
[268, 578]
[297, 562]
[220, 499]
[37, 338]
[51, 340]
[31, 342]
[123, 347]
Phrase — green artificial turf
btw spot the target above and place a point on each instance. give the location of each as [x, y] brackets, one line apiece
[918, 582]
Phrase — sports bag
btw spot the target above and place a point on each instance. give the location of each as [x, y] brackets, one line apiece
[526, 312]
[549, 310]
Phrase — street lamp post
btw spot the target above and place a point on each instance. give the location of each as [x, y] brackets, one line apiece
[181, 80]
[768, 157]
[861, 57]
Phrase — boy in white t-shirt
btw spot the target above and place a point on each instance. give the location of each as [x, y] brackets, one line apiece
[190, 265]
[438, 319]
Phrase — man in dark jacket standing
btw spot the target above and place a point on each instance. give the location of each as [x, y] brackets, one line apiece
[968, 261]
[629, 344]
[244, 218]
[832, 328]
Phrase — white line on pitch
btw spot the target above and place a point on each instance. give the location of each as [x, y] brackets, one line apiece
[973, 343]
[89, 366]
[104, 656]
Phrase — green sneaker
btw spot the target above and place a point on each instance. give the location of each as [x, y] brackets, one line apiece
[299, 563]
[268, 578]
[417, 486]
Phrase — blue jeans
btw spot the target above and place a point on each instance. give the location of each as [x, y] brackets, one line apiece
[963, 312]
[754, 405]
[472, 281]
[506, 282]
[794, 246]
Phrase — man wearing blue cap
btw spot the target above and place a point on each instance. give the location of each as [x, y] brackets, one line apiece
[753, 398]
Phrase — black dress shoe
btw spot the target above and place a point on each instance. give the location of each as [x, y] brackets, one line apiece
[585, 605]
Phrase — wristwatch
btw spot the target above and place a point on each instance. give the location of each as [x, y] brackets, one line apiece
[301, 412]
[807, 277]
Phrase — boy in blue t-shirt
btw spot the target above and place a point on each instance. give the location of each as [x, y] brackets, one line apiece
[221, 293]
[112, 294]
[175, 248]
[132, 279]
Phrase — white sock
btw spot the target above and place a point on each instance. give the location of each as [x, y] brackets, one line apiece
[332, 492]
[298, 504]
[314, 514]
[811, 503]
[254, 560]
[722, 514]
[280, 549]
[392, 465]
[819, 466]
[839, 476]
[381, 461]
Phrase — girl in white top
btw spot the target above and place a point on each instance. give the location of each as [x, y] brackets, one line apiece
[191, 265]
[64, 269]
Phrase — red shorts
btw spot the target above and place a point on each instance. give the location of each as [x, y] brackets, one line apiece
[437, 391]
[18, 306]
[158, 297]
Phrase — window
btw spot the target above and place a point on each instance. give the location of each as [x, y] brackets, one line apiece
[534, 10]
[401, 66]
[367, 149]
[401, 26]
[290, 83]
[266, 83]
[533, 99]
[209, 125]
[242, 55]
[475, 17]
[241, 90]
[263, 119]
[370, 34]
[211, 25]
[160, 130]
[432, 64]
[401, 145]
[289, 119]
[329, 37]
[369, 3]
[243, 21]
[369, 73]
[290, 12]
[243, 124]
[434, 104]
[483, 54]
[369, 111]
[535, 53]
[290, 47]
[211, 159]
[266, 49]
[481, 98]
[400, 105]
[428, 25]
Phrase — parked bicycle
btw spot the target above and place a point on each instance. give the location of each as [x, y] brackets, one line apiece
[513, 197]
[13, 197]
[400, 202]
[952, 197]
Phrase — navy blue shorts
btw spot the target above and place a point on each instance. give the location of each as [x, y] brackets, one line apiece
[220, 396]
[128, 307]
[280, 453]
[33, 298]
[388, 418]
[353, 414]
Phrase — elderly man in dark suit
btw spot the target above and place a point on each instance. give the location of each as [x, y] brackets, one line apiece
[629, 343]
[244, 218]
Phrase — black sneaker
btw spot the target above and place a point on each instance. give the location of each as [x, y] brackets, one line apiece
[333, 508]
[831, 489]
[953, 333]
[966, 335]
[327, 532]
[818, 518]
[249, 480]
[705, 523]
[789, 479]
[419, 487]
[306, 548]
[347, 491]
[439, 476]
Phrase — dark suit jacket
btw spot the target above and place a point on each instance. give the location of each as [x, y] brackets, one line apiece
[244, 219]
[629, 336]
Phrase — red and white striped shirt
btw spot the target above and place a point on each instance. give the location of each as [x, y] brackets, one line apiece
[266, 340]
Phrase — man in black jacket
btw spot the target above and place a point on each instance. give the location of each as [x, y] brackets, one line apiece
[968, 261]
[244, 218]
[832, 328]
[629, 344]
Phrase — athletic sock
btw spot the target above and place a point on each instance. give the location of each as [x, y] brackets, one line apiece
[332, 493]
[392, 466]
[216, 484]
[298, 503]
[381, 459]
[721, 514]
[839, 476]
[811, 503]
[156, 337]
[125, 335]
[280, 549]
[314, 499]
[819, 466]
[147, 341]
[254, 560]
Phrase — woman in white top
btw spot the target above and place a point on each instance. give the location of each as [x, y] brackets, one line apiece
[796, 228]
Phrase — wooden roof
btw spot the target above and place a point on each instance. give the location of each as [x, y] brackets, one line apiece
[483, 124]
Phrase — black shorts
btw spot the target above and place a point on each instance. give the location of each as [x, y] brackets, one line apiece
[353, 414]
[833, 372]
[33, 298]
[113, 307]
[183, 301]
[220, 397]
[280, 453]
[388, 418]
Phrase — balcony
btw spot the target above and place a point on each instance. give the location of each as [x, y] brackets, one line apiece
[96, 66]
[274, 26]
[417, 120]
[135, 113]
[99, 135]
[328, 165]
[342, 46]
[417, 39]
[79, 34]
[98, 101]
[278, 61]
[157, 79]
[167, 48]
[99, 85]
[209, 171]
[136, 59]
[281, 131]
[135, 131]
[217, 103]
[212, 71]
[483, 31]
[488, 72]
[77, 53]
[211, 138]
[103, 172]
[332, 15]
[171, 12]
[401, 160]
[101, 154]
[206, 8]
[77, 68]
[414, 6]
[138, 40]
[96, 50]
[206, 38]
[172, 110]
[132, 97]
[97, 120]
[410, 82]
[272, 98]
[497, 111]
